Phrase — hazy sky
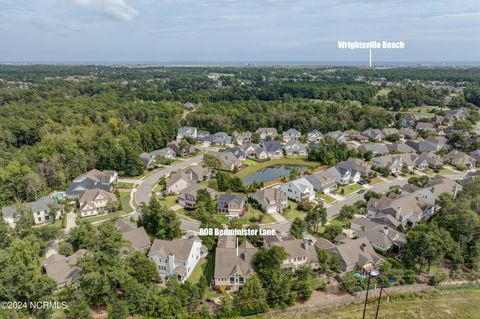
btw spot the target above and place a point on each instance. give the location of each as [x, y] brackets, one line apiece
[235, 30]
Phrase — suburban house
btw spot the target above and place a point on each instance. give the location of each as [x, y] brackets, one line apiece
[440, 184]
[414, 161]
[411, 119]
[376, 149]
[62, 269]
[182, 148]
[475, 154]
[232, 205]
[357, 254]
[295, 148]
[186, 132]
[291, 135]
[300, 253]
[221, 139]
[390, 131]
[228, 161]
[272, 200]
[408, 133]
[424, 127]
[422, 146]
[438, 141]
[408, 210]
[44, 210]
[254, 151]
[380, 236]
[434, 161]
[188, 196]
[176, 258]
[392, 162]
[204, 136]
[344, 176]
[460, 160]
[233, 263]
[178, 182]
[337, 136]
[149, 158]
[272, 148]
[400, 148]
[198, 173]
[90, 180]
[265, 132]
[136, 236]
[94, 201]
[322, 181]
[314, 136]
[374, 135]
[357, 164]
[237, 151]
[241, 138]
[299, 190]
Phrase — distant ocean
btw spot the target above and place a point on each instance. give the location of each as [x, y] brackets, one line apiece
[258, 63]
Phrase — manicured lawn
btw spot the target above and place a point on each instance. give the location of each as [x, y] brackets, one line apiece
[125, 200]
[168, 201]
[326, 198]
[349, 189]
[197, 272]
[284, 161]
[252, 212]
[293, 212]
[376, 180]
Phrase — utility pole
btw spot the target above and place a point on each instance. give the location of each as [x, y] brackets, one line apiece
[379, 299]
[366, 295]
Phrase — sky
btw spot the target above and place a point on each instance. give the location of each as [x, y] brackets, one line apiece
[187, 31]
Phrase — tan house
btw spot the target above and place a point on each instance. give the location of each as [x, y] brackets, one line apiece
[94, 201]
[188, 197]
[272, 200]
[178, 182]
[233, 265]
[232, 205]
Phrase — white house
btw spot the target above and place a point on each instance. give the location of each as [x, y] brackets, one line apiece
[344, 176]
[176, 258]
[299, 190]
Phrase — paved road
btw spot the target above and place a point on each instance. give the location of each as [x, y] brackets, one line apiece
[145, 186]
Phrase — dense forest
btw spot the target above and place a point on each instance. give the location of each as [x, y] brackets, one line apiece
[59, 121]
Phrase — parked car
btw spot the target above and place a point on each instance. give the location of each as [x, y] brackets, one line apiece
[394, 174]
[361, 182]
[361, 191]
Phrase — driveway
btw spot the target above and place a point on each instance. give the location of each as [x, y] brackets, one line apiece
[278, 217]
[146, 184]
[70, 222]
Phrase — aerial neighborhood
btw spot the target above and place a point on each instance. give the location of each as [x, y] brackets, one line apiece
[216, 213]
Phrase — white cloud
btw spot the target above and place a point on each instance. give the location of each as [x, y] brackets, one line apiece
[117, 9]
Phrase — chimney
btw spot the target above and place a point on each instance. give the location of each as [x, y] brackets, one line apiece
[171, 262]
[237, 246]
[398, 213]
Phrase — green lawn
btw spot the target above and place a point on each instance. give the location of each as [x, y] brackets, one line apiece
[430, 171]
[376, 180]
[284, 161]
[125, 200]
[326, 198]
[198, 271]
[252, 212]
[168, 201]
[125, 185]
[349, 189]
[293, 212]
[446, 304]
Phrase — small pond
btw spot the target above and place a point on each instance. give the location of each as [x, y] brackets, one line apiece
[270, 173]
